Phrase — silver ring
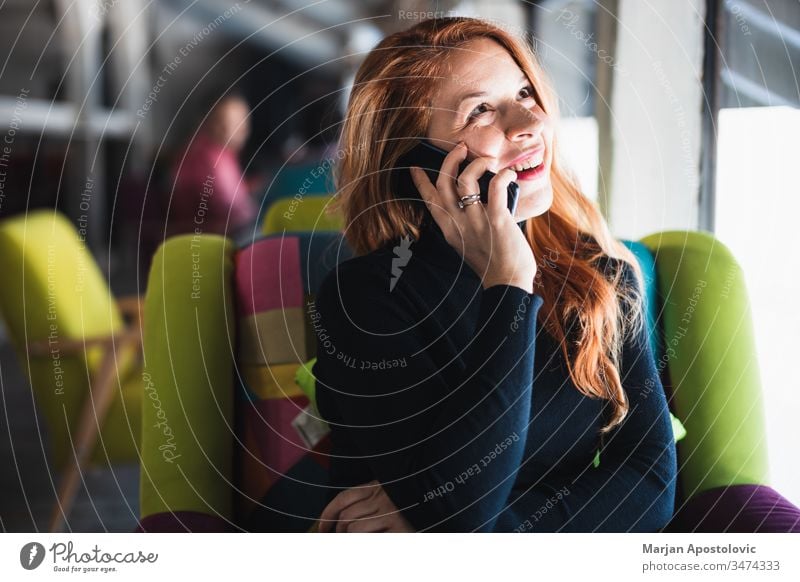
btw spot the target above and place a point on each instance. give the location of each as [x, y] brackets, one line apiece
[468, 200]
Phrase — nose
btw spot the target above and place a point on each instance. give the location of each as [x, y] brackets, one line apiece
[523, 123]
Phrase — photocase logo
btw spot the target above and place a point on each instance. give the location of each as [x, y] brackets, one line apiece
[402, 256]
[31, 555]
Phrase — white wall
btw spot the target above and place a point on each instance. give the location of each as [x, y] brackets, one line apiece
[757, 206]
[656, 112]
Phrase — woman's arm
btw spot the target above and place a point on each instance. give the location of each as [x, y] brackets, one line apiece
[633, 488]
[448, 463]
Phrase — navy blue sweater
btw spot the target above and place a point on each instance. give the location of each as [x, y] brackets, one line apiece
[461, 406]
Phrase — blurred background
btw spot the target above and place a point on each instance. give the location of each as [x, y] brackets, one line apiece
[676, 114]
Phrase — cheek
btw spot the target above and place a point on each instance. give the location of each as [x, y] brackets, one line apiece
[547, 137]
[484, 141]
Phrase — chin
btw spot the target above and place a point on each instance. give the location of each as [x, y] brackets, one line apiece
[534, 203]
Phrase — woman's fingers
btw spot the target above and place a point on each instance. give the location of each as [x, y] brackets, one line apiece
[449, 170]
[343, 500]
[378, 523]
[391, 521]
[440, 206]
[356, 512]
[434, 197]
[498, 192]
[374, 513]
[359, 509]
[468, 179]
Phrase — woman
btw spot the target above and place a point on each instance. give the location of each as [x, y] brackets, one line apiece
[210, 192]
[470, 363]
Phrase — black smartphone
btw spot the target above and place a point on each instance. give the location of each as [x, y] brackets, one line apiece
[430, 158]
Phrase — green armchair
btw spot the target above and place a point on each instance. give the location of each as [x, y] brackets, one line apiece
[74, 345]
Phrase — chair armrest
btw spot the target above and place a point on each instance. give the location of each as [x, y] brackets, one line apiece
[132, 307]
[73, 346]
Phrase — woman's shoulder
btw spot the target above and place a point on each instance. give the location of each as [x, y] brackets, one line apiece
[360, 269]
[360, 283]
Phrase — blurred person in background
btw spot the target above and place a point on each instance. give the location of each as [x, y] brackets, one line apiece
[210, 193]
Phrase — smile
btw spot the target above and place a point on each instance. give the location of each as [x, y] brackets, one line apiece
[530, 169]
[532, 162]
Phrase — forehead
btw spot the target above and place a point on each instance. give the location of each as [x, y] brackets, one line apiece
[477, 64]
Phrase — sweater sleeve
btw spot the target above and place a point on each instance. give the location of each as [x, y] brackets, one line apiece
[446, 452]
[633, 488]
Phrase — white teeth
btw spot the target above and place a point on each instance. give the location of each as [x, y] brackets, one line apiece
[526, 165]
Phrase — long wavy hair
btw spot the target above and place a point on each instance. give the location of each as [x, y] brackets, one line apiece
[391, 100]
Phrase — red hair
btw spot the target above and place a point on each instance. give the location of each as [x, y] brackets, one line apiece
[389, 108]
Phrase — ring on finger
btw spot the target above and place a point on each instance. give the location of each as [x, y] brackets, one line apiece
[468, 200]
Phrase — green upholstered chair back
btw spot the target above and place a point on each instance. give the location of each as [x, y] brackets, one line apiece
[308, 214]
[188, 344]
[710, 353]
[292, 181]
[53, 290]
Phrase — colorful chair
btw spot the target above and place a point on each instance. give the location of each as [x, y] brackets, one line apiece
[187, 440]
[707, 356]
[296, 181]
[71, 338]
[707, 367]
[282, 457]
[251, 454]
[306, 214]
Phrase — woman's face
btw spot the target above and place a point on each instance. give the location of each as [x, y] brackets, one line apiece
[486, 100]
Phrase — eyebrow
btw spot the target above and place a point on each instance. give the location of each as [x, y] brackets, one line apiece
[481, 93]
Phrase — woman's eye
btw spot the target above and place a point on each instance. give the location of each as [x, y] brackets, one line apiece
[477, 111]
[526, 92]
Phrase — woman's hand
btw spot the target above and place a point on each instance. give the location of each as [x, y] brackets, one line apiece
[365, 508]
[487, 236]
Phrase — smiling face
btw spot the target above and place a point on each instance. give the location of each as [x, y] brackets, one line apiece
[486, 100]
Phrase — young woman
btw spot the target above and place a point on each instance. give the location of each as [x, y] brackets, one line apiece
[471, 363]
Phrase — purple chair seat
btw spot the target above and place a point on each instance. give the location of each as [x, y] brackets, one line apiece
[737, 509]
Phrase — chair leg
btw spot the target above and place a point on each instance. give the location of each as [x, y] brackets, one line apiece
[92, 417]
